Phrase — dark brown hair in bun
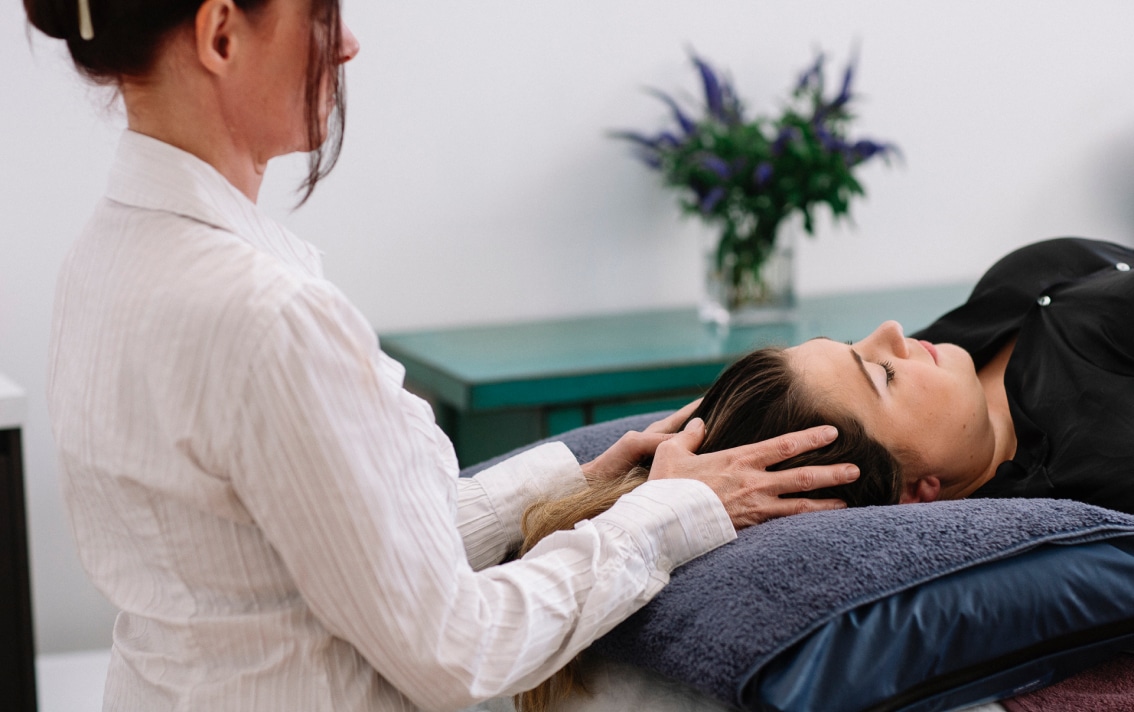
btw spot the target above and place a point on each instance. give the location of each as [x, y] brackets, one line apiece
[127, 35]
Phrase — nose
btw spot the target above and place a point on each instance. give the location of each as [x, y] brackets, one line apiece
[350, 45]
[889, 336]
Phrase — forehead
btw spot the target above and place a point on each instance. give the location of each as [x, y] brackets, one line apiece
[826, 368]
[832, 371]
[817, 352]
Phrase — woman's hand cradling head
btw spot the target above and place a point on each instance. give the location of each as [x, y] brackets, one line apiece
[673, 422]
[633, 448]
[624, 455]
[740, 477]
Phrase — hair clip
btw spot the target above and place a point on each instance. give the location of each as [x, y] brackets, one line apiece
[86, 29]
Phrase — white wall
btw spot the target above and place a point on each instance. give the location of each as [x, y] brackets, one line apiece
[477, 184]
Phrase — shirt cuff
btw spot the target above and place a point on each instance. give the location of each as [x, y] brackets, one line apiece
[672, 521]
[545, 472]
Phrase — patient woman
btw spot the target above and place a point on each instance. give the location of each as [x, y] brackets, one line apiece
[1026, 390]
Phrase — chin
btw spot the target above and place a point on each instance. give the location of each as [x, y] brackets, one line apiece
[324, 132]
[303, 145]
[953, 356]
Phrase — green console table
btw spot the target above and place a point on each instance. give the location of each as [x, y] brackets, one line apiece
[495, 388]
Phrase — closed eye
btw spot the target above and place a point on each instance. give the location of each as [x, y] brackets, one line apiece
[889, 368]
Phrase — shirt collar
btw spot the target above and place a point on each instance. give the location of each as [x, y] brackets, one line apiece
[154, 175]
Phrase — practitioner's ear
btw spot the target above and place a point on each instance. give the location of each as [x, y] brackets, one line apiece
[923, 489]
[217, 35]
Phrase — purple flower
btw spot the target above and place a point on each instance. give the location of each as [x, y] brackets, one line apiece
[762, 174]
[732, 110]
[711, 199]
[830, 142]
[649, 149]
[716, 164]
[688, 126]
[651, 142]
[650, 158]
[714, 96]
[845, 92]
[813, 74]
[866, 149]
[787, 134]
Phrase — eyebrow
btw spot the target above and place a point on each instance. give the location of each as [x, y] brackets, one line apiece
[865, 373]
[861, 366]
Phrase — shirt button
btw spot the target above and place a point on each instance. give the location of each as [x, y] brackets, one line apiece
[1044, 301]
[1122, 267]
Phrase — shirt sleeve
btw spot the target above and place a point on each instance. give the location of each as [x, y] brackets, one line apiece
[491, 504]
[342, 471]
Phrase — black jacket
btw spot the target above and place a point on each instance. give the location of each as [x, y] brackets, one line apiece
[1070, 381]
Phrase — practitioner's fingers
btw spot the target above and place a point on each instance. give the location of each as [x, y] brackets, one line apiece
[739, 476]
[675, 456]
[760, 510]
[766, 453]
[752, 496]
[625, 454]
[811, 477]
[673, 421]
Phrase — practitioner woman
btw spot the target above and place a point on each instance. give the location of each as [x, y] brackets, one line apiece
[279, 522]
[1026, 390]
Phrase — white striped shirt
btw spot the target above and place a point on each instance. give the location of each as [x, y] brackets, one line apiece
[278, 520]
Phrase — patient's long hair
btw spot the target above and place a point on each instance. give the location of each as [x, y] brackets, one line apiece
[755, 399]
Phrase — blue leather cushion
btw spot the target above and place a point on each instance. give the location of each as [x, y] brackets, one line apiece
[980, 634]
[911, 607]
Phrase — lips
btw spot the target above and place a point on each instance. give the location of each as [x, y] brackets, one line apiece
[929, 348]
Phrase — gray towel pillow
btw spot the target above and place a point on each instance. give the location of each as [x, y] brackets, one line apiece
[913, 607]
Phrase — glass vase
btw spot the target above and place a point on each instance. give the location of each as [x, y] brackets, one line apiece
[761, 294]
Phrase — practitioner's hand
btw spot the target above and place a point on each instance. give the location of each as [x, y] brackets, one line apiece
[673, 422]
[739, 476]
[625, 454]
[634, 447]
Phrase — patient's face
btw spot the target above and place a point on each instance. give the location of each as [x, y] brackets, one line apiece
[914, 397]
